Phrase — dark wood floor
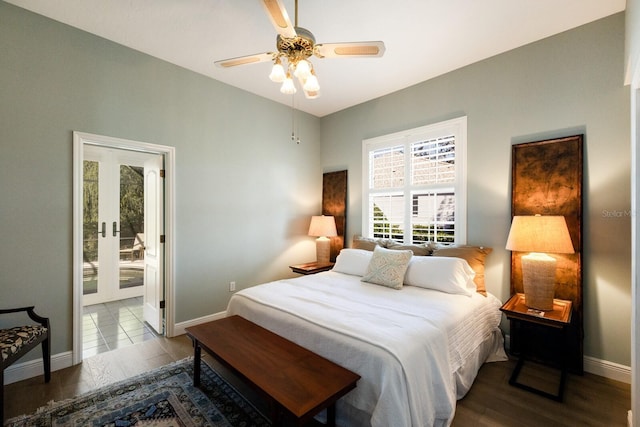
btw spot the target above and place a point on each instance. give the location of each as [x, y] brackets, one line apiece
[590, 400]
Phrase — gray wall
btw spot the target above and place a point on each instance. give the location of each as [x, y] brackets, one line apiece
[244, 191]
[234, 158]
[567, 84]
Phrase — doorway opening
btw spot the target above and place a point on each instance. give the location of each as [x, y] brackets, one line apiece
[113, 284]
[123, 263]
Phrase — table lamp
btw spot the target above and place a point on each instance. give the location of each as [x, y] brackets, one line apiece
[322, 227]
[539, 234]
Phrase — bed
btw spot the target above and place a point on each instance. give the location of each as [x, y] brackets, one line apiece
[417, 345]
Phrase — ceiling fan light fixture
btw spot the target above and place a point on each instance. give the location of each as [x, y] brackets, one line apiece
[288, 88]
[277, 72]
[294, 46]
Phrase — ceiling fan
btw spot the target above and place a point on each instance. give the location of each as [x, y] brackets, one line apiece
[294, 46]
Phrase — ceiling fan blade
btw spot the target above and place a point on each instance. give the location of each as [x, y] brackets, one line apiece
[279, 18]
[340, 50]
[243, 60]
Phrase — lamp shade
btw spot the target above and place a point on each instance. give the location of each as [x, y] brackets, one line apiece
[322, 226]
[540, 233]
[277, 72]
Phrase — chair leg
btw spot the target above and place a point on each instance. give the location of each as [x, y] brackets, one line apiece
[1, 396]
[46, 359]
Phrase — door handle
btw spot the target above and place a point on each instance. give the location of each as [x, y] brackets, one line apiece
[115, 226]
[104, 229]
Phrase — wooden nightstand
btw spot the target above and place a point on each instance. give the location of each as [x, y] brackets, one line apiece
[558, 320]
[311, 267]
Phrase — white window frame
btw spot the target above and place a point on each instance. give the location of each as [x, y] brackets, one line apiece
[457, 127]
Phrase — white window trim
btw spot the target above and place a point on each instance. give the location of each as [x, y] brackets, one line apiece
[458, 127]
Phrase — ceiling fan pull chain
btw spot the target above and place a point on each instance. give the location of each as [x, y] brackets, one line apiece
[293, 121]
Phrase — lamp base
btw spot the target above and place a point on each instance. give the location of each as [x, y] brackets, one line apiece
[538, 281]
[323, 250]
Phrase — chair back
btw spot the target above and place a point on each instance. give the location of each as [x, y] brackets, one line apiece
[138, 242]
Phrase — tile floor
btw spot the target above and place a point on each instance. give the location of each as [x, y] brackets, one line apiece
[113, 325]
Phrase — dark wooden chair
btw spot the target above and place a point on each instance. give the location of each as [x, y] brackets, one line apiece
[17, 341]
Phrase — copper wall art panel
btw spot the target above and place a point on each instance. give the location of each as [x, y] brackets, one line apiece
[547, 180]
[334, 202]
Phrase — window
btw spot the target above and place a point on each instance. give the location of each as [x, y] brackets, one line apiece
[414, 186]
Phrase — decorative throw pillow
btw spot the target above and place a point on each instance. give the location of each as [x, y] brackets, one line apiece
[445, 274]
[366, 243]
[474, 255]
[419, 250]
[369, 244]
[353, 261]
[387, 267]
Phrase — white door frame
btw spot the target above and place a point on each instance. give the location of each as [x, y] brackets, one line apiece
[79, 140]
[635, 250]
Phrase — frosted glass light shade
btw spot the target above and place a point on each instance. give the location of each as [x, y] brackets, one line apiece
[288, 87]
[303, 70]
[311, 85]
[277, 73]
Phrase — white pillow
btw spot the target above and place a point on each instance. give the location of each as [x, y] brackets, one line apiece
[353, 261]
[446, 274]
[387, 267]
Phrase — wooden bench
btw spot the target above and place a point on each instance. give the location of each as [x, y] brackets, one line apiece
[297, 382]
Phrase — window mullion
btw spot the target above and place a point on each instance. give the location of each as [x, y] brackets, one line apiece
[408, 180]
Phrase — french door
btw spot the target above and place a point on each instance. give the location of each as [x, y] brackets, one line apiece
[116, 209]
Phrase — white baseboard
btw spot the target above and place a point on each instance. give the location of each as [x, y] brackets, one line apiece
[179, 328]
[603, 368]
[33, 368]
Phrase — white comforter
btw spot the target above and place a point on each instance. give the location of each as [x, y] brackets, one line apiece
[406, 344]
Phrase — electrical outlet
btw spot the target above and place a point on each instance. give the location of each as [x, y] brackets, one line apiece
[232, 286]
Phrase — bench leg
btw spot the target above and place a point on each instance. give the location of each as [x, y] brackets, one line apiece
[331, 415]
[276, 414]
[197, 352]
[1, 397]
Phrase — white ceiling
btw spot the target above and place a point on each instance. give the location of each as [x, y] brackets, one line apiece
[423, 38]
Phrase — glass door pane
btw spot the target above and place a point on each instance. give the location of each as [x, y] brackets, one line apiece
[91, 228]
[131, 265]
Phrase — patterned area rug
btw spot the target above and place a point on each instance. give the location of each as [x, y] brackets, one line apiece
[162, 398]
